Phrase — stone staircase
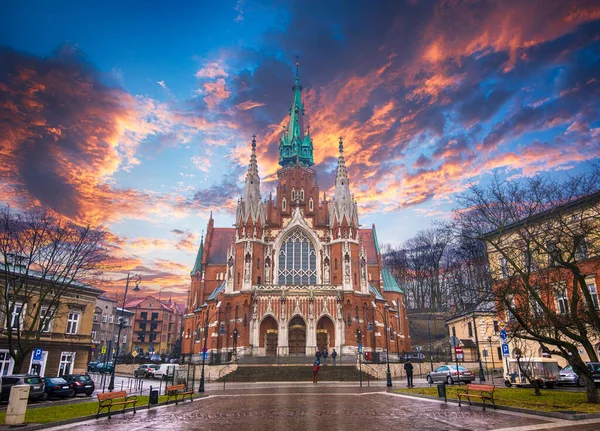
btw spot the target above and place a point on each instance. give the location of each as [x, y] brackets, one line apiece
[290, 373]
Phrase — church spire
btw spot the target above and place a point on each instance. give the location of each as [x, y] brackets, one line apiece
[198, 264]
[295, 146]
[251, 204]
[343, 204]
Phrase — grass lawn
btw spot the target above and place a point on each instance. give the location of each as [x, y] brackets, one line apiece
[43, 415]
[551, 400]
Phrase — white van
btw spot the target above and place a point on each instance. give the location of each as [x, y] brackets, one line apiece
[166, 371]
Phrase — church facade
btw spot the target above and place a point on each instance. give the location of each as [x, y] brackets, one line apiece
[297, 272]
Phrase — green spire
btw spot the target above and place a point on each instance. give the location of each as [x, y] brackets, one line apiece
[295, 147]
[198, 265]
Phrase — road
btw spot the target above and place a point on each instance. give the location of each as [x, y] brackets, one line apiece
[327, 406]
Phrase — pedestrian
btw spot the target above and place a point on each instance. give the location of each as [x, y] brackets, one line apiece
[408, 367]
[318, 355]
[315, 372]
[324, 355]
[333, 356]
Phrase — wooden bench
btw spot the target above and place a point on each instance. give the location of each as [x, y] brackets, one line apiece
[108, 400]
[178, 392]
[474, 390]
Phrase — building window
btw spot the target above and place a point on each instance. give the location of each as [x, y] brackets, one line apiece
[593, 292]
[93, 335]
[454, 331]
[117, 338]
[104, 318]
[470, 329]
[16, 318]
[563, 301]
[552, 253]
[310, 204]
[297, 260]
[504, 267]
[283, 205]
[499, 352]
[496, 327]
[95, 317]
[124, 339]
[72, 322]
[301, 194]
[512, 306]
[144, 315]
[6, 363]
[111, 319]
[257, 263]
[581, 249]
[154, 316]
[65, 366]
[293, 194]
[45, 320]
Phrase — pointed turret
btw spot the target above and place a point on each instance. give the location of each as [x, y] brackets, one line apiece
[296, 148]
[198, 264]
[343, 204]
[250, 206]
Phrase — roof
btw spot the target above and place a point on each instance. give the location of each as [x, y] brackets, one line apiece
[198, 264]
[468, 343]
[486, 307]
[220, 242]
[370, 245]
[586, 200]
[389, 282]
[134, 303]
[215, 293]
[376, 293]
[13, 269]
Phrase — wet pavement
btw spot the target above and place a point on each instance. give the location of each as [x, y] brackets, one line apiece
[303, 406]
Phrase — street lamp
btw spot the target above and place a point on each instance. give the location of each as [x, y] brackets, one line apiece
[221, 332]
[387, 341]
[137, 279]
[359, 338]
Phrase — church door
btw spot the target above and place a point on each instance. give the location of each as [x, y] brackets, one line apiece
[271, 343]
[297, 337]
[322, 340]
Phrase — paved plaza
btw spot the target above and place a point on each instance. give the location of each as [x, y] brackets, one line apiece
[329, 407]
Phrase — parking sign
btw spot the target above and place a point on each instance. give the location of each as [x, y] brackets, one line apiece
[505, 350]
[37, 354]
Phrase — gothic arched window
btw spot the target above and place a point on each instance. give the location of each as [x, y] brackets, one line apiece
[297, 260]
[283, 204]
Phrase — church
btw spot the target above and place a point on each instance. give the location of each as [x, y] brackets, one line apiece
[297, 272]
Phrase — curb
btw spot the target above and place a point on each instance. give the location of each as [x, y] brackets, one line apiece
[555, 415]
[34, 427]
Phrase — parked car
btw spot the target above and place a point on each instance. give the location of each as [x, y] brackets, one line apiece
[36, 383]
[81, 383]
[569, 377]
[449, 374]
[58, 387]
[146, 370]
[544, 370]
[92, 366]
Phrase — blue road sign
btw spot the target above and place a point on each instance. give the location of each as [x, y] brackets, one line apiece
[360, 348]
[37, 354]
[505, 350]
[205, 356]
[503, 334]
[137, 348]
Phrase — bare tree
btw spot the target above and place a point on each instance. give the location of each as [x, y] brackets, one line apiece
[43, 258]
[543, 240]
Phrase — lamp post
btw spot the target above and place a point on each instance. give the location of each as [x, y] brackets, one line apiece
[137, 279]
[221, 332]
[387, 341]
[235, 337]
[430, 346]
[359, 338]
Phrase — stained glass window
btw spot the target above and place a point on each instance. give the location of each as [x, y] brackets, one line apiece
[297, 260]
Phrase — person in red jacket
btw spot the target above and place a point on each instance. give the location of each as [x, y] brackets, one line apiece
[315, 372]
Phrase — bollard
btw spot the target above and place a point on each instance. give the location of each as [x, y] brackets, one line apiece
[193, 378]
[224, 380]
[368, 379]
[121, 385]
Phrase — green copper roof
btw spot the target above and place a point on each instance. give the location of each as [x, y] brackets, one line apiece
[389, 282]
[198, 263]
[295, 147]
[376, 242]
[376, 293]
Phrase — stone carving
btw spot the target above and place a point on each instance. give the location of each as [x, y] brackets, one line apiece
[254, 311]
[247, 270]
[267, 271]
[326, 272]
[339, 310]
[311, 309]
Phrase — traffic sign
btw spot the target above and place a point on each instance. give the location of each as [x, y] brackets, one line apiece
[134, 353]
[505, 350]
[501, 324]
[458, 350]
[454, 341]
[205, 356]
[103, 351]
[137, 348]
[503, 334]
[359, 347]
[37, 354]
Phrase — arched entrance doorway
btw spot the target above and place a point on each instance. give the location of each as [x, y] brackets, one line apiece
[297, 337]
[325, 334]
[268, 336]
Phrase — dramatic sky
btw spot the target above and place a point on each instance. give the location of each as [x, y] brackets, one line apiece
[139, 115]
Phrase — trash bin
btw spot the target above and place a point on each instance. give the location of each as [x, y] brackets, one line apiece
[442, 390]
[153, 397]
